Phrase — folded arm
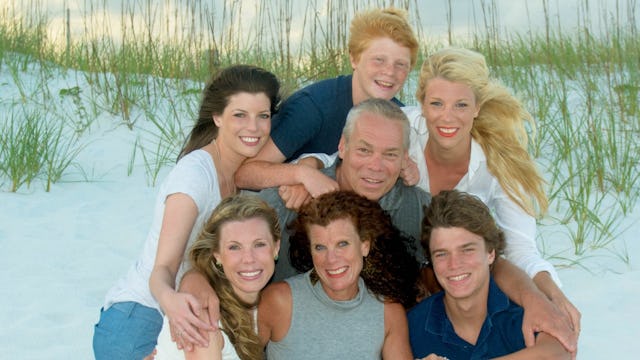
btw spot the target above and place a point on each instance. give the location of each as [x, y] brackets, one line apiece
[268, 170]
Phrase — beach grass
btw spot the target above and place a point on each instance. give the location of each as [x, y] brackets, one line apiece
[581, 85]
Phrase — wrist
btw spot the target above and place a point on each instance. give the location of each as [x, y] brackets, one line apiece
[546, 285]
[299, 173]
[164, 298]
[311, 162]
[531, 297]
[304, 172]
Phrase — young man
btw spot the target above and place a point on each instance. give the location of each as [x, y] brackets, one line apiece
[472, 318]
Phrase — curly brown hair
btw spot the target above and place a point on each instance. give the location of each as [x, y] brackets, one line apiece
[390, 271]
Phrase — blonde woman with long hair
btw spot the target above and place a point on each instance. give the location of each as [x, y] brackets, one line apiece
[236, 251]
[469, 135]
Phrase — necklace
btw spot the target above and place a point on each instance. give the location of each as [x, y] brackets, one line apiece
[230, 185]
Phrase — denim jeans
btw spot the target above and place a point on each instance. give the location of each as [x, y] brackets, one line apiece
[126, 330]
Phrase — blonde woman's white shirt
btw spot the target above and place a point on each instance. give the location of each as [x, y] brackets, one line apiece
[518, 226]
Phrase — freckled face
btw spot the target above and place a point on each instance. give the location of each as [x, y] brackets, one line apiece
[245, 123]
[247, 252]
[337, 252]
[381, 70]
[460, 261]
[449, 109]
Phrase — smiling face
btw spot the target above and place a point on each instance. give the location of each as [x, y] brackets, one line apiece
[449, 109]
[245, 123]
[372, 157]
[337, 252]
[460, 262]
[247, 252]
[380, 71]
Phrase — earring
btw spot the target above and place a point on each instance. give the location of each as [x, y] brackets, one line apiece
[216, 265]
[275, 257]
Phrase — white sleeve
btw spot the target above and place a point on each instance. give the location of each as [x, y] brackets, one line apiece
[326, 159]
[193, 176]
[520, 233]
[418, 141]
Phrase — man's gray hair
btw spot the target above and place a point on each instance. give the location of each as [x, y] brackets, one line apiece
[384, 108]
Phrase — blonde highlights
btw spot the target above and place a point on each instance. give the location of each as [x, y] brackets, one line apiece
[500, 125]
[235, 315]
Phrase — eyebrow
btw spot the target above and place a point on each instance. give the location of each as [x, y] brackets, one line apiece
[463, 246]
[246, 111]
[363, 142]
[253, 241]
[430, 97]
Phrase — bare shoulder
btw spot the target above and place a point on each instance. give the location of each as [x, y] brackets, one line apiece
[276, 296]
[394, 309]
[395, 317]
[396, 344]
[274, 312]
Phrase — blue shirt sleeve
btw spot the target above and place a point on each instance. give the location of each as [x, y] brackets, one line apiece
[298, 121]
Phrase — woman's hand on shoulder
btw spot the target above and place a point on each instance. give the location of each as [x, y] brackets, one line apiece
[207, 306]
[184, 311]
[541, 315]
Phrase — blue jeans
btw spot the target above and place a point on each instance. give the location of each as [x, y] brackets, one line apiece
[127, 331]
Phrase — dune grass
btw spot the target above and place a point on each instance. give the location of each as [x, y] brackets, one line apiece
[581, 86]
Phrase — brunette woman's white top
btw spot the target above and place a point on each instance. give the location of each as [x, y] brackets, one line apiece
[194, 175]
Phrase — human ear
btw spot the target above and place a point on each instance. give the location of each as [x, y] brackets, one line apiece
[491, 256]
[216, 257]
[276, 248]
[342, 147]
[365, 247]
[353, 61]
[405, 159]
